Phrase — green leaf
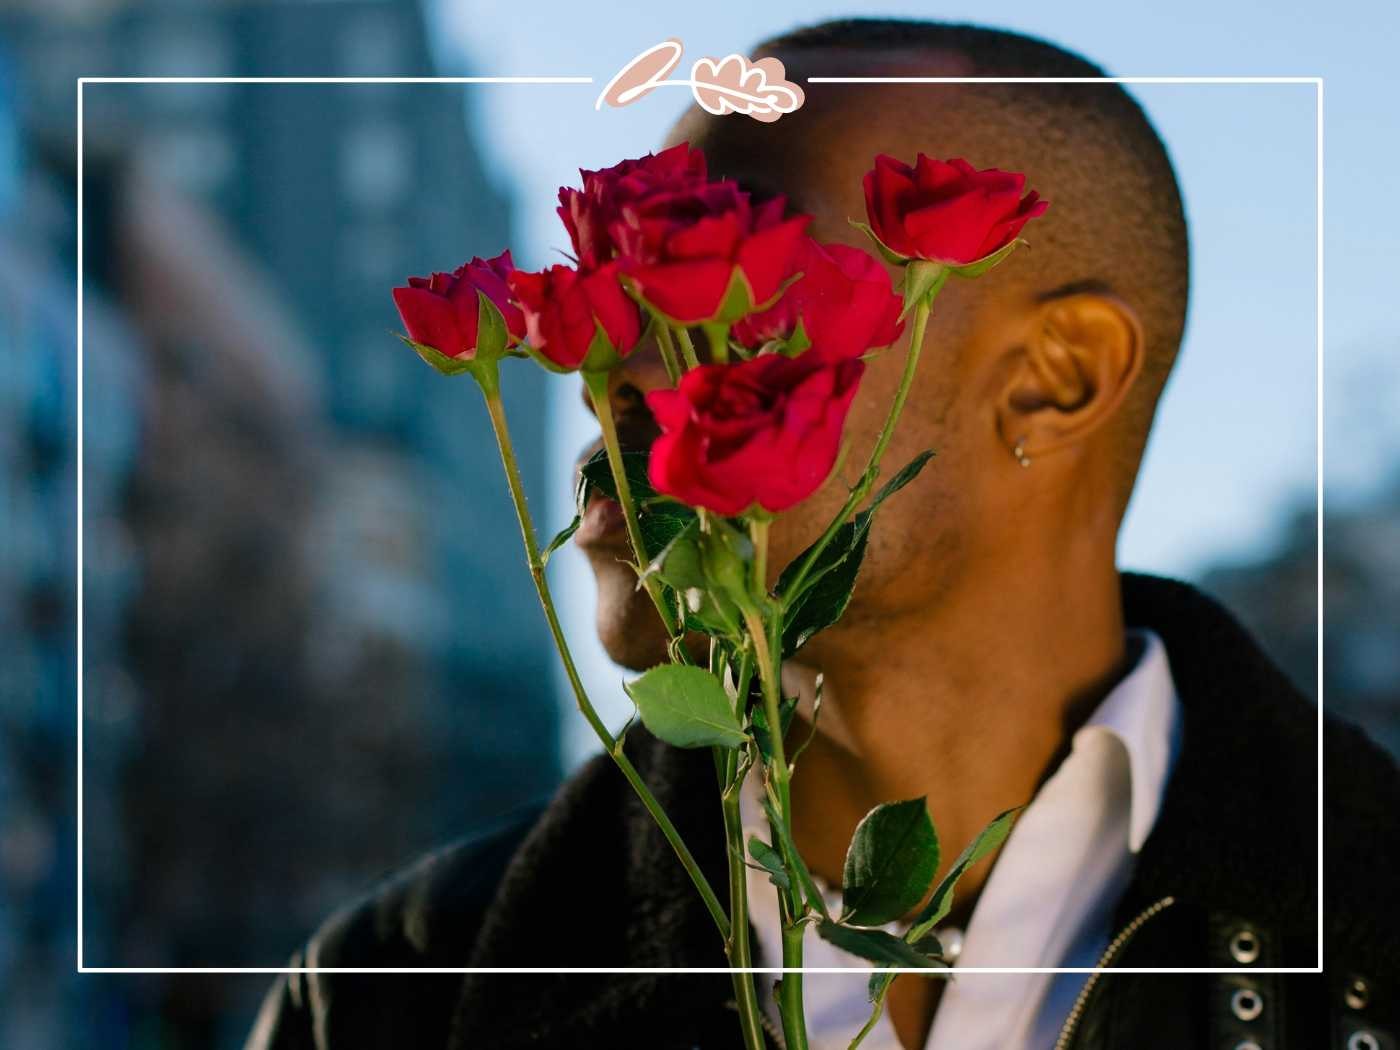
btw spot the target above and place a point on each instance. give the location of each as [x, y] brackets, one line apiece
[492, 336]
[891, 861]
[879, 984]
[708, 614]
[877, 946]
[929, 945]
[581, 489]
[804, 877]
[922, 280]
[727, 554]
[738, 298]
[687, 707]
[826, 590]
[891, 256]
[598, 473]
[680, 567]
[448, 366]
[786, 708]
[660, 523]
[988, 839]
[797, 342]
[982, 265]
[561, 538]
[537, 356]
[816, 715]
[906, 474]
[770, 860]
[659, 519]
[602, 356]
[678, 563]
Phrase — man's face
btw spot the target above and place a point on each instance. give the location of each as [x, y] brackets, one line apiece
[923, 540]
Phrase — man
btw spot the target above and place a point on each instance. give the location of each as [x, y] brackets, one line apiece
[1170, 768]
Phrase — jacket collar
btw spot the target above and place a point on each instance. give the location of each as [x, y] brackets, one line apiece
[596, 885]
[1245, 773]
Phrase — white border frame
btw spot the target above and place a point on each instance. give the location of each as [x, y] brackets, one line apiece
[81, 968]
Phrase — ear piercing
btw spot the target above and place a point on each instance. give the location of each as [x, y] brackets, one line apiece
[1020, 452]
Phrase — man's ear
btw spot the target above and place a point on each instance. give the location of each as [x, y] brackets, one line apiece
[1081, 355]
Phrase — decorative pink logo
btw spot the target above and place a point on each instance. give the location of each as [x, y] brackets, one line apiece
[731, 84]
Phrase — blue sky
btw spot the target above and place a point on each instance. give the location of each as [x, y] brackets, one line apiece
[1236, 436]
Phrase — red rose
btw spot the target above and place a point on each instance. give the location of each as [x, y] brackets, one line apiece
[441, 311]
[705, 253]
[946, 212]
[763, 432]
[590, 213]
[843, 301]
[566, 311]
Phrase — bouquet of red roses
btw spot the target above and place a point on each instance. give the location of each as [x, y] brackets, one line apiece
[750, 428]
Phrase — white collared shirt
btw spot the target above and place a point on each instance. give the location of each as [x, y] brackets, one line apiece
[1049, 900]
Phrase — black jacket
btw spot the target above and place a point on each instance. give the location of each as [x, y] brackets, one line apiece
[591, 882]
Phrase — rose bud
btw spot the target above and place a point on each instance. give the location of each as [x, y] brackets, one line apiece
[705, 254]
[760, 433]
[589, 213]
[946, 212]
[577, 320]
[459, 316]
[842, 305]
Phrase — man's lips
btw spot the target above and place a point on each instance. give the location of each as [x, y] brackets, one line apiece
[603, 525]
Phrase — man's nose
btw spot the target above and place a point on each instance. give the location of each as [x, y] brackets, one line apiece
[640, 372]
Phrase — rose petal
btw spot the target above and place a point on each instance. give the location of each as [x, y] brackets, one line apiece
[431, 320]
[766, 257]
[686, 292]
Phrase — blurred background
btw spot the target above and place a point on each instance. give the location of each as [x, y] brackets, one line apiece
[306, 661]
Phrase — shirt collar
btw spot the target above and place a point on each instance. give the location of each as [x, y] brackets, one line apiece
[1141, 713]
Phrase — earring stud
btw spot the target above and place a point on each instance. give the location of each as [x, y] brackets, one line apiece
[1020, 453]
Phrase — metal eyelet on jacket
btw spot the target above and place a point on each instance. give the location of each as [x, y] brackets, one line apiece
[1358, 993]
[1244, 946]
[1363, 1040]
[1248, 1044]
[1246, 1004]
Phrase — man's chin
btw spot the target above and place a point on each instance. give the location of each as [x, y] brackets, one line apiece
[628, 626]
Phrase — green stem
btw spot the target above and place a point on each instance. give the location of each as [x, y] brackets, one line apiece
[872, 466]
[768, 654]
[668, 351]
[758, 531]
[739, 949]
[687, 348]
[875, 1011]
[790, 988]
[597, 384]
[906, 381]
[488, 377]
[718, 335]
[721, 755]
[768, 669]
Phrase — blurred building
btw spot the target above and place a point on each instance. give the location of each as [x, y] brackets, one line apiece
[303, 667]
[1276, 597]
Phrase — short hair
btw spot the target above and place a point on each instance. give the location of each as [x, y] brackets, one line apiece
[1128, 232]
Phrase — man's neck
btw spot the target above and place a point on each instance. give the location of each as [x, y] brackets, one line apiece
[970, 704]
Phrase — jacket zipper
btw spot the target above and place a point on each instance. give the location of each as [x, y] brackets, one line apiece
[1114, 949]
